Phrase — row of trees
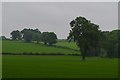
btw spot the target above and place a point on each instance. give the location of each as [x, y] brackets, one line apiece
[92, 41]
[3, 38]
[110, 43]
[29, 35]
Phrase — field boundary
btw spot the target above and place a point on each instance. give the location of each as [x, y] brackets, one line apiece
[39, 54]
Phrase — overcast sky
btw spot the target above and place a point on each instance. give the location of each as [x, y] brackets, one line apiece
[55, 17]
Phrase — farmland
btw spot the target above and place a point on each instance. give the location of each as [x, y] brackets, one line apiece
[53, 66]
[22, 47]
[0, 58]
[58, 67]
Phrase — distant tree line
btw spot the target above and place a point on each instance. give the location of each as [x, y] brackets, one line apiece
[29, 35]
[3, 38]
[109, 43]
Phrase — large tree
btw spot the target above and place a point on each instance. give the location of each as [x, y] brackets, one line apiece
[44, 37]
[31, 35]
[16, 35]
[52, 38]
[27, 35]
[49, 38]
[85, 34]
[36, 36]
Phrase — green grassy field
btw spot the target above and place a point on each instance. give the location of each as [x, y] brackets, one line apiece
[0, 46]
[0, 66]
[22, 47]
[38, 66]
[71, 45]
[0, 59]
[58, 67]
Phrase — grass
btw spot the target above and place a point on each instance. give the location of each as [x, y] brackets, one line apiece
[0, 46]
[0, 59]
[36, 66]
[15, 66]
[0, 66]
[22, 47]
[71, 45]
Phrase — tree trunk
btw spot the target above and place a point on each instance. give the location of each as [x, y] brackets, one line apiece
[83, 56]
[84, 52]
[37, 42]
[45, 43]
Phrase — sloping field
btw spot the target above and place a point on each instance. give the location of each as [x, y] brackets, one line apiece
[38, 66]
[71, 45]
[22, 47]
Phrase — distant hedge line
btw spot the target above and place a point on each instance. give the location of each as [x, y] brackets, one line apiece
[39, 54]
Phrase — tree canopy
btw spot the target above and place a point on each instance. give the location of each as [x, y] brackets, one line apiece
[49, 38]
[85, 34]
[110, 43]
[16, 35]
[29, 35]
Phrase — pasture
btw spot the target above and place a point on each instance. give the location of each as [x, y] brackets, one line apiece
[22, 47]
[21, 66]
[49, 66]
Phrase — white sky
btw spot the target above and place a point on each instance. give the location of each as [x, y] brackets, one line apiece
[51, 16]
[60, 0]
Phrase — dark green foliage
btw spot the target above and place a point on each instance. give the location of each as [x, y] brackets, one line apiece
[27, 36]
[102, 53]
[44, 37]
[49, 38]
[52, 38]
[85, 34]
[31, 35]
[16, 35]
[36, 37]
[3, 38]
[110, 42]
[119, 43]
